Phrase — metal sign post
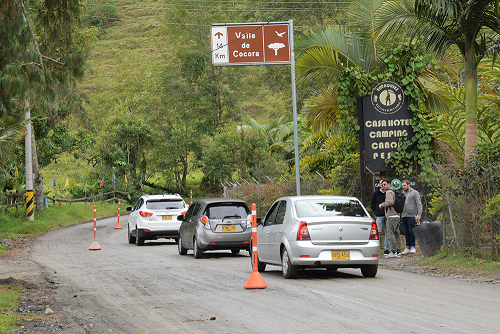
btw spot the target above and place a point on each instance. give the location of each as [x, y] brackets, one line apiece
[268, 43]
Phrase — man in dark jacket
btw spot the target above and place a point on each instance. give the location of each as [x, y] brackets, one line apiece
[377, 198]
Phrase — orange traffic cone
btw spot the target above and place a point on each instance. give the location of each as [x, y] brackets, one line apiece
[94, 245]
[255, 281]
[118, 224]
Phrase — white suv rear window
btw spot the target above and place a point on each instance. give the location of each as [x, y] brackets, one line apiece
[165, 204]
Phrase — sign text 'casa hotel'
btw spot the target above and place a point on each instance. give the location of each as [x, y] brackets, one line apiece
[250, 44]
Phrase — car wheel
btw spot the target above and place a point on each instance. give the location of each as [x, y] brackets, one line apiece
[182, 250]
[131, 238]
[198, 252]
[138, 241]
[288, 269]
[369, 270]
[235, 251]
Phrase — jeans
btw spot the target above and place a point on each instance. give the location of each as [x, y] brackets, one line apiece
[382, 222]
[408, 225]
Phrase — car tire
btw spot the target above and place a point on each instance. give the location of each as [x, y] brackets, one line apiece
[287, 268]
[182, 250]
[235, 251]
[198, 252]
[138, 241]
[131, 238]
[369, 270]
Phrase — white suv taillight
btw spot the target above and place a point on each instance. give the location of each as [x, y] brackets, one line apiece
[303, 232]
[374, 232]
[249, 221]
[145, 214]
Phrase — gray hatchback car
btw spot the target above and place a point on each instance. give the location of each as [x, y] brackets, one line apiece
[318, 231]
[214, 224]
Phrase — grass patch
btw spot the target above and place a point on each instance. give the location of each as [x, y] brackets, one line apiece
[14, 224]
[9, 299]
[463, 263]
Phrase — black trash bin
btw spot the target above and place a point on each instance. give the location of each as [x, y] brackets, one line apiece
[429, 237]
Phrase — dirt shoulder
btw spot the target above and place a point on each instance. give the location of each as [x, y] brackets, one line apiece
[45, 315]
[38, 304]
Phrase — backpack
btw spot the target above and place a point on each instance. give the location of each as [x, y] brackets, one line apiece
[399, 201]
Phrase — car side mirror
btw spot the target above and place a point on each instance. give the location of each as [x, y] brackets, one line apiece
[181, 218]
[128, 208]
[259, 221]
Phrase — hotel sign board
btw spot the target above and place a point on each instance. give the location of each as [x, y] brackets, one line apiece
[386, 119]
[250, 44]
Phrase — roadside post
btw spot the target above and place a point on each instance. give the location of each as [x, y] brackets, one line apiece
[118, 224]
[255, 281]
[95, 245]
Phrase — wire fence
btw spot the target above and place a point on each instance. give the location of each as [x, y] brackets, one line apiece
[461, 214]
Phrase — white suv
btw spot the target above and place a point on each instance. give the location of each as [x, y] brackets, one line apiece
[155, 216]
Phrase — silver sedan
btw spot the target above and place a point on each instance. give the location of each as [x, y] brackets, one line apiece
[318, 231]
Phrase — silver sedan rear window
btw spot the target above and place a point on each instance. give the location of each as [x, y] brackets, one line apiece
[328, 208]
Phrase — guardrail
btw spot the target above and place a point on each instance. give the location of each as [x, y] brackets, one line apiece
[15, 200]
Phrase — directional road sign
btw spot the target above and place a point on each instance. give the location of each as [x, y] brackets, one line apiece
[250, 44]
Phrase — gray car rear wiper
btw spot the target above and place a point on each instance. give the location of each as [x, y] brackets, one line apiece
[233, 216]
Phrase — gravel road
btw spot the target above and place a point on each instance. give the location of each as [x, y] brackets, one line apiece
[130, 289]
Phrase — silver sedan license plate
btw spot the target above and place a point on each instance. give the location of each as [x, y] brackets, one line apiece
[341, 255]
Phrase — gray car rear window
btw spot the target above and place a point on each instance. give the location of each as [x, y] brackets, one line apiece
[328, 208]
[226, 211]
[165, 204]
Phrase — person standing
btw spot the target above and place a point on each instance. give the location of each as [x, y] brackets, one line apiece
[392, 220]
[411, 213]
[378, 197]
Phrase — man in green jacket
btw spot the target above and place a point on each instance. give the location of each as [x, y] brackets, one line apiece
[392, 220]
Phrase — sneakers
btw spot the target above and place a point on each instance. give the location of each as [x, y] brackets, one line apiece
[392, 254]
[413, 250]
[407, 251]
[386, 251]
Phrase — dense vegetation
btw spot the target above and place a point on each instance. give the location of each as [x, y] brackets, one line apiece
[127, 88]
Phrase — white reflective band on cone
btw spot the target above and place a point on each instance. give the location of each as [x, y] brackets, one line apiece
[254, 229]
[254, 213]
[254, 249]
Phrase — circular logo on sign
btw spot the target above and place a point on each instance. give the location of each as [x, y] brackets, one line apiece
[396, 184]
[387, 97]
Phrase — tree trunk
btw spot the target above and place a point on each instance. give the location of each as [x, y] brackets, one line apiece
[470, 102]
[37, 176]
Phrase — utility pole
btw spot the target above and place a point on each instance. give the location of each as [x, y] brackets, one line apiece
[29, 165]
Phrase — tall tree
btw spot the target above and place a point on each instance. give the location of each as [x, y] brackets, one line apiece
[43, 50]
[442, 24]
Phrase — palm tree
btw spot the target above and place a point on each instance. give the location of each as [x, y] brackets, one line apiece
[324, 53]
[442, 24]
[9, 137]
